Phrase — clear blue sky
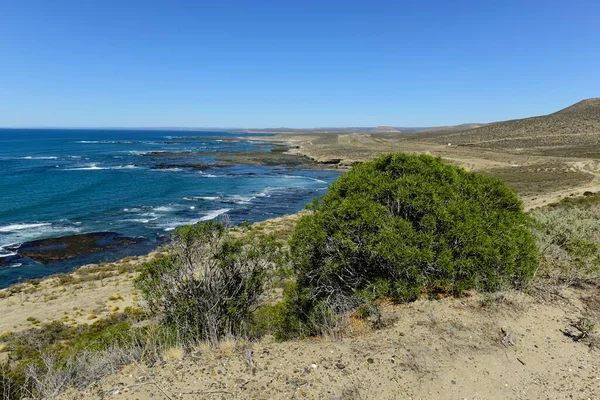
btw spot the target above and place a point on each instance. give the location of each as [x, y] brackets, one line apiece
[279, 63]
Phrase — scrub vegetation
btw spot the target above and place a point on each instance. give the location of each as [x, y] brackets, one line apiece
[395, 229]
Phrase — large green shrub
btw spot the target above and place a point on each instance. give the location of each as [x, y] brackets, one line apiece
[404, 225]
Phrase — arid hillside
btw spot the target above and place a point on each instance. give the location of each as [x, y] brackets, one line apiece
[543, 158]
[576, 128]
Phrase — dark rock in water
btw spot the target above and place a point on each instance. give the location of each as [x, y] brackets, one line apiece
[331, 161]
[7, 258]
[47, 251]
[193, 165]
[168, 154]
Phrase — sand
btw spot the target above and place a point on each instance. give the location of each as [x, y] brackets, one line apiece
[513, 348]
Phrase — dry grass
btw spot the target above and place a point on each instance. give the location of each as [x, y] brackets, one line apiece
[175, 353]
[116, 297]
[576, 125]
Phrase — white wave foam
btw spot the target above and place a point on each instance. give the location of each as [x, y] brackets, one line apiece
[16, 265]
[209, 216]
[201, 198]
[214, 214]
[90, 167]
[163, 209]
[239, 199]
[167, 169]
[209, 175]
[234, 198]
[7, 253]
[142, 220]
[95, 167]
[20, 233]
[303, 177]
[266, 193]
[20, 227]
[105, 141]
[39, 158]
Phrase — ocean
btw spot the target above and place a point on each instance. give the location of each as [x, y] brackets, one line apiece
[55, 183]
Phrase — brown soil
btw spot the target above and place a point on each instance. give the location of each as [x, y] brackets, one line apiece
[509, 346]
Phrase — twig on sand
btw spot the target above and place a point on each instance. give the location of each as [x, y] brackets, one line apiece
[207, 392]
[109, 391]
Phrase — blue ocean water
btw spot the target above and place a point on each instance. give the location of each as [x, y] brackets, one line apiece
[61, 182]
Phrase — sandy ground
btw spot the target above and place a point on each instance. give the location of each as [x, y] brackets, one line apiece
[511, 348]
[77, 298]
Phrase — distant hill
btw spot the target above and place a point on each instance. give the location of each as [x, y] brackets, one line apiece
[439, 130]
[574, 126]
[385, 129]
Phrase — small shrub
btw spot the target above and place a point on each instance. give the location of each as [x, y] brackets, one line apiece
[65, 279]
[208, 288]
[405, 225]
[245, 226]
[568, 239]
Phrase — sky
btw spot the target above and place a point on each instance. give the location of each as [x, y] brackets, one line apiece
[254, 63]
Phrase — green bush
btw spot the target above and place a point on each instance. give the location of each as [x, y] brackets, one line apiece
[404, 225]
[210, 286]
[46, 360]
[568, 238]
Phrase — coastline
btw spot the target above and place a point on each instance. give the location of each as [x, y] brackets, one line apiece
[253, 165]
[99, 281]
[95, 291]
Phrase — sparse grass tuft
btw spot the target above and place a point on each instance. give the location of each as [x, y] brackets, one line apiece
[115, 297]
[175, 353]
